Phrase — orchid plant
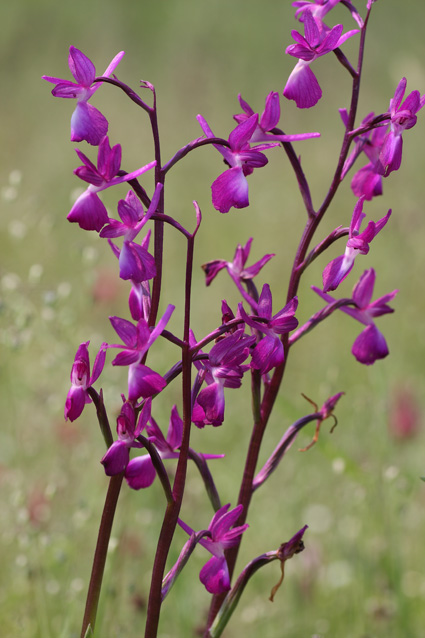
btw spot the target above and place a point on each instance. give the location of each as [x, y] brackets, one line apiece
[255, 340]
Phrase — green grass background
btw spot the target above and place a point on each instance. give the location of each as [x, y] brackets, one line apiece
[363, 571]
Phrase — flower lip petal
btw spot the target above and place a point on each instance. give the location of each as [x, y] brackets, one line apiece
[230, 189]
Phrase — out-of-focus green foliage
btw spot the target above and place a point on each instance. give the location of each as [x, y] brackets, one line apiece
[363, 570]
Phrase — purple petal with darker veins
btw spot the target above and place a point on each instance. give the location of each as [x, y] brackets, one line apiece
[332, 39]
[363, 290]
[267, 354]
[175, 429]
[136, 263]
[140, 472]
[265, 302]
[108, 159]
[87, 123]
[230, 189]
[143, 382]
[99, 363]
[303, 87]
[215, 575]
[88, 212]
[81, 67]
[126, 358]
[223, 520]
[130, 209]
[271, 115]
[334, 274]
[86, 161]
[90, 175]
[370, 346]
[126, 330]
[211, 399]
[243, 133]
[311, 30]
[113, 229]
[390, 156]
[367, 182]
[65, 89]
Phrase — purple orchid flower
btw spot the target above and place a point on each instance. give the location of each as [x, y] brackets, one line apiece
[142, 381]
[268, 121]
[236, 268]
[87, 123]
[358, 243]
[403, 117]
[117, 458]
[367, 182]
[370, 345]
[302, 85]
[81, 380]
[88, 211]
[140, 471]
[231, 187]
[269, 352]
[223, 369]
[215, 573]
[134, 260]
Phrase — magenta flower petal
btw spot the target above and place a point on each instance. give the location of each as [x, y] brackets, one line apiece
[271, 114]
[116, 458]
[363, 290]
[99, 363]
[88, 123]
[303, 87]
[370, 346]
[126, 330]
[267, 354]
[75, 402]
[230, 189]
[335, 272]
[140, 472]
[211, 400]
[89, 212]
[136, 263]
[175, 429]
[81, 380]
[241, 135]
[143, 382]
[215, 575]
[367, 182]
[81, 67]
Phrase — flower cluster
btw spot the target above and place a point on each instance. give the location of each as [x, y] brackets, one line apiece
[255, 341]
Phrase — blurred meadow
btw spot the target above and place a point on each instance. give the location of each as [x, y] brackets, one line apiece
[362, 574]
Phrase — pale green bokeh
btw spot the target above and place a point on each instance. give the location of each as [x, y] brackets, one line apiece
[363, 572]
